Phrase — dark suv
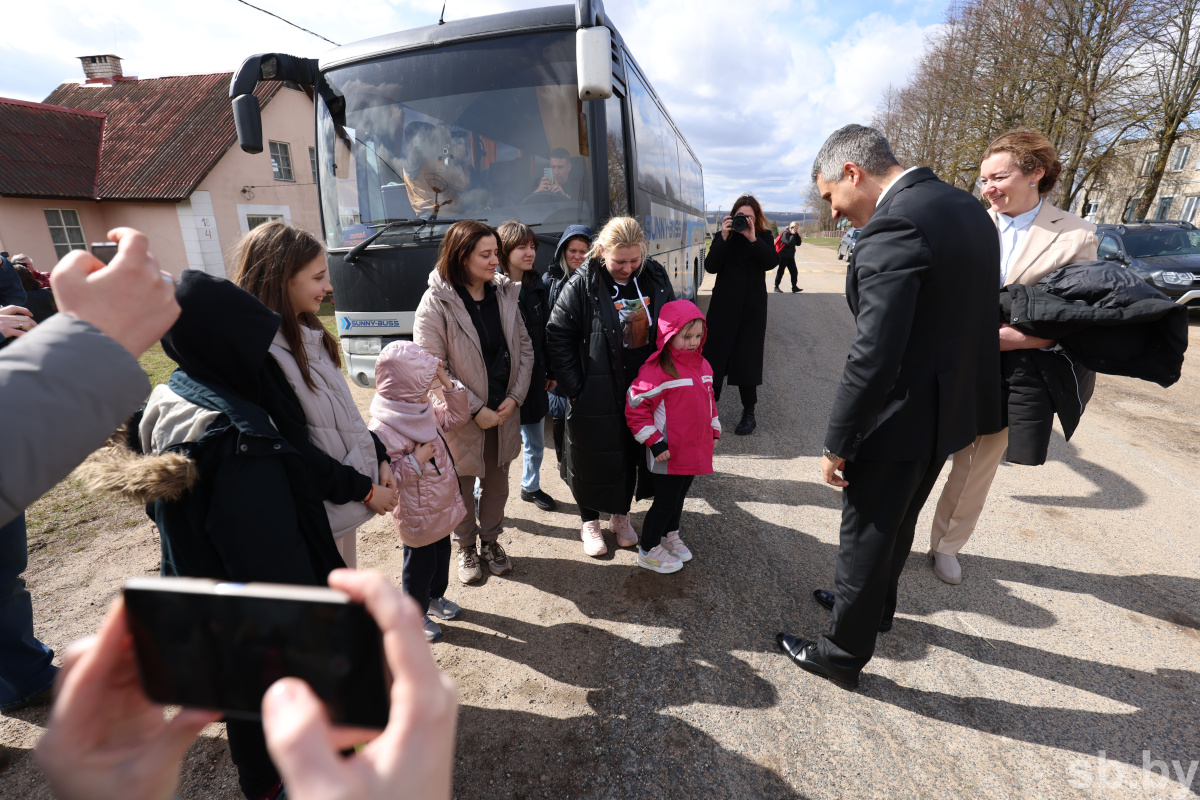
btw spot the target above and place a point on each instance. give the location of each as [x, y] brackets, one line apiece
[1166, 253]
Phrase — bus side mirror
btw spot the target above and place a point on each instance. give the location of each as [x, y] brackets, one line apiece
[247, 118]
[593, 57]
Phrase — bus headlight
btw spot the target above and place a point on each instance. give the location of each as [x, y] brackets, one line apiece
[362, 345]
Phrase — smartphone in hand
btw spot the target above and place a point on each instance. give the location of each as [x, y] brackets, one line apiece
[104, 251]
[220, 646]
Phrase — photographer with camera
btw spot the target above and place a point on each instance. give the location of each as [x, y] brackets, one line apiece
[737, 315]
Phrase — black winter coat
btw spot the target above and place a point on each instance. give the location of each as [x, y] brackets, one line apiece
[737, 312]
[583, 347]
[535, 310]
[1106, 319]
[790, 242]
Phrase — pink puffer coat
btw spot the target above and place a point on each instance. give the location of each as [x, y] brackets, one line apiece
[430, 503]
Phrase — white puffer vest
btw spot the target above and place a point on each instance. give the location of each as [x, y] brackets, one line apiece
[334, 422]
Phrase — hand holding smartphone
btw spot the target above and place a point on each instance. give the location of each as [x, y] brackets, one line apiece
[204, 644]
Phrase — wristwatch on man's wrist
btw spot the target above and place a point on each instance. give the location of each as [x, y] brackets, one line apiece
[832, 456]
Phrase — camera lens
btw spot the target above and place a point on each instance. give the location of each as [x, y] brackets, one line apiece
[740, 223]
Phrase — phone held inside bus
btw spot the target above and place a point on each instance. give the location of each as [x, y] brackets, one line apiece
[548, 173]
[205, 644]
[104, 251]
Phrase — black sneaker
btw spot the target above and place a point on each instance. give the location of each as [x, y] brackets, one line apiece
[778, 289]
[540, 499]
[797, 289]
[747, 425]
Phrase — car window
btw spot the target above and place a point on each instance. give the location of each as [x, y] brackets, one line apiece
[1149, 243]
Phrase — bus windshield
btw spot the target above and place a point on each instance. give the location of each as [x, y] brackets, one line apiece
[490, 130]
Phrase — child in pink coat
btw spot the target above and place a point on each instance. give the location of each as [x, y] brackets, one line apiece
[671, 410]
[411, 427]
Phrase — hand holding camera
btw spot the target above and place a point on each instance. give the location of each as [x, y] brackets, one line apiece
[738, 223]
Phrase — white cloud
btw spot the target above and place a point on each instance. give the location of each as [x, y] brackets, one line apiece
[754, 88]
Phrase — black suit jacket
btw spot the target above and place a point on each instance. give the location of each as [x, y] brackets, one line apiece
[923, 376]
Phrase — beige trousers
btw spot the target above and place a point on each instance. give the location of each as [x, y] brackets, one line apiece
[348, 548]
[966, 490]
[493, 496]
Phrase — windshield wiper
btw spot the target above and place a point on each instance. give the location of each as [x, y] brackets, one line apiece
[419, 222]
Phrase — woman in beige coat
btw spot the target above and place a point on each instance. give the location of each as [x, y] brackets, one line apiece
[1018, 170]
[470, 318]
[284, 267]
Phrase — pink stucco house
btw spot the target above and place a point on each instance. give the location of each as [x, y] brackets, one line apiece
[158, 155]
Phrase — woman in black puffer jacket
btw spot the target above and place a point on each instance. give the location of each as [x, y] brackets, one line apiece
[601, 331]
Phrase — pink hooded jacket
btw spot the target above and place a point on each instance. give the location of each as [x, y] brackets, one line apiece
[430, 503]
[680, 411]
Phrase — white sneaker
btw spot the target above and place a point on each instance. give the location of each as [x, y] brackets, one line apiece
[676, 547]
[442, 608]
[659, 559]
[622, 528]
[593, 539]
[432, 631]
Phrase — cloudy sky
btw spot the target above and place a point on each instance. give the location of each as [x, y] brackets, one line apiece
[755, 87]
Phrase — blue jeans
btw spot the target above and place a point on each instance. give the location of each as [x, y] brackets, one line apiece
[533, 442]
[25, 663]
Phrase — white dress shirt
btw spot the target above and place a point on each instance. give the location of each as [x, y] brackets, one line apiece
[1013, 232]
[883, 194]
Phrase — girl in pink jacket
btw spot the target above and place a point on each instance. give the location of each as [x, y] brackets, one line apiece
[671, 410]
[411, 427]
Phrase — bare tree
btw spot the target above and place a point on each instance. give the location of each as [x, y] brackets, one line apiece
[1175, 59]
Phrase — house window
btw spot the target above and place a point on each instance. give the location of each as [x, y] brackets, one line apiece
[1146, 164]
[1179, 158]
[1090, 208]
[1164, 207]
[254, 220]
[281, 161]
[1131, 208]
[312, 162]
[65, 231]
[1189, 208]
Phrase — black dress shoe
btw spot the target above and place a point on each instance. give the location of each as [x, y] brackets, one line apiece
[804, 654]
[827, 598]
[747, 425]
[540, 499]
[797, 289]
[778, 289]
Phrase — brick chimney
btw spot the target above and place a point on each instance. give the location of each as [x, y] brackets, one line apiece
[101, 69]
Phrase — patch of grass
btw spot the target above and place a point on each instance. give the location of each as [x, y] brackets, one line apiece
[68, 516]
[327, 319]
[822, 241]
[157, 365]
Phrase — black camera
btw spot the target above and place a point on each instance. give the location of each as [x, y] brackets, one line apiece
[740, 222]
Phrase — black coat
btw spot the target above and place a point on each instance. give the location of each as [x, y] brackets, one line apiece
[1106, 319]
[737, 312]
[583, 347]
[254, 513]
[535, 309]
[790, 242]
[922, 378]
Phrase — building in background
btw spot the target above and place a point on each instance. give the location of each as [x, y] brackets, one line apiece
[1178, 195]
[157, 155]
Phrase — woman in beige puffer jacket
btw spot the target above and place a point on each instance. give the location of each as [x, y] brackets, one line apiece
[284, 267]
[470, 318]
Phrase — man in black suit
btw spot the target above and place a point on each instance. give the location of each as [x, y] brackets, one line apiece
[922, 379]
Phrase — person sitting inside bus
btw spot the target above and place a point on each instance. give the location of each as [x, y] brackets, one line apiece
[562, 183]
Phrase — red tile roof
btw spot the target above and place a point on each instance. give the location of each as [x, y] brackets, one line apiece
[161, 136]
[48, 151]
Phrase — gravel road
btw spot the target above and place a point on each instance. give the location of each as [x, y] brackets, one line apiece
[1064, 663]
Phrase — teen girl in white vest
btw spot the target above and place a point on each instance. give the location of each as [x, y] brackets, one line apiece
[284, 267]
